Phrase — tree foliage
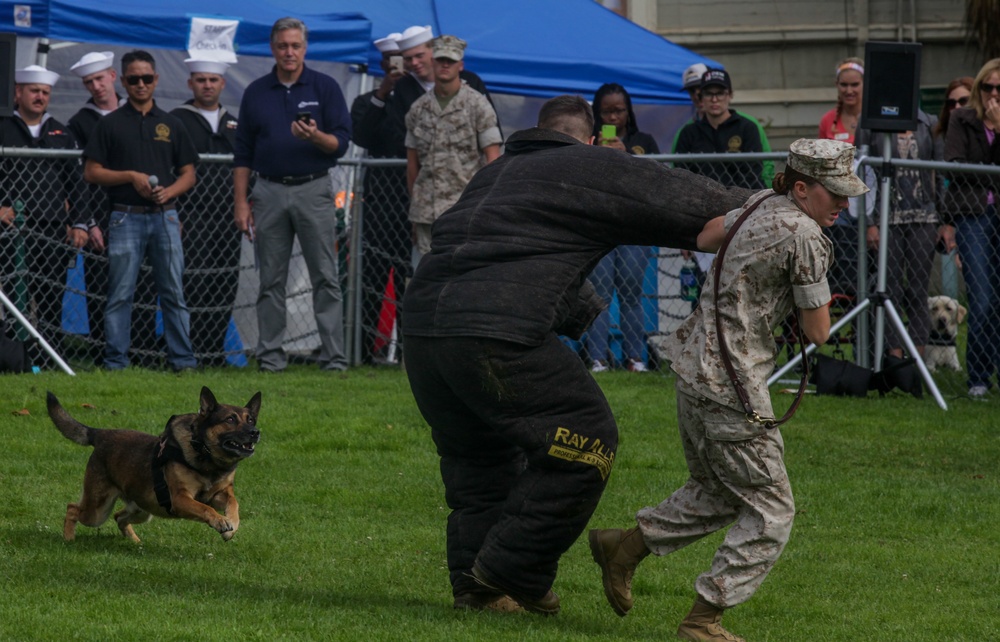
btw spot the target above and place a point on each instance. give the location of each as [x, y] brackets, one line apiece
[982, 26]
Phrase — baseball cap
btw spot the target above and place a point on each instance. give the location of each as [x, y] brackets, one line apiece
[719, 77]
[831, 162]
[692, 75]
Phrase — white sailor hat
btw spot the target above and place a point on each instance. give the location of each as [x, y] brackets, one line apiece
[414, 36]
[33, 74]
[196, 65]
[389, 44]
[93, 62]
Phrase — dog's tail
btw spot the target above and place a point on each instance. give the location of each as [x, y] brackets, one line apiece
[69, 427]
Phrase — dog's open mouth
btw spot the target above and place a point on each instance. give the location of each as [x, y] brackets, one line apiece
[240, 448]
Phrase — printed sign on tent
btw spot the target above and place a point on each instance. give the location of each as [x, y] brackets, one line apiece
[213, 39]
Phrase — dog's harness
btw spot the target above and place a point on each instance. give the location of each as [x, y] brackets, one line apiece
[938, 339]
[167, 452]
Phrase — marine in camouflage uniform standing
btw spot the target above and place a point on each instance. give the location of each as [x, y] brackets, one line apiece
[776, 262]
[451, 133]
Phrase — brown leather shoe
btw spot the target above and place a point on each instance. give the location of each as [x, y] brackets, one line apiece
[618, 551]
[487, 601]
[704, 622]
[548, 604]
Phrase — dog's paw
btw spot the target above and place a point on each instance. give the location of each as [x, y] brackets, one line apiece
[224, 526]
[227, 535]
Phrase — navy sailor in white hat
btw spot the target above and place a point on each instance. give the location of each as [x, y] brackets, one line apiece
[45, 192]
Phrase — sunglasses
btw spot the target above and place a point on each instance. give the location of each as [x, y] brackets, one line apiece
[988, 88]
[146, 79]
[952, 102]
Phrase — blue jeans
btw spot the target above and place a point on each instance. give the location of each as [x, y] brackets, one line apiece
[157, 237]
[623, 270]
[978, 239]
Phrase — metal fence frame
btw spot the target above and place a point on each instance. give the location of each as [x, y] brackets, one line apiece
[348, 179]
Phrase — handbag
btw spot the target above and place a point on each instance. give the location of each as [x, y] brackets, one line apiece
[835, 375]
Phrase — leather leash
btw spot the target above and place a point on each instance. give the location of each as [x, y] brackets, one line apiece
[741, 392]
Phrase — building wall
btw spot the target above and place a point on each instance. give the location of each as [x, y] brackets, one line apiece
[782, 54]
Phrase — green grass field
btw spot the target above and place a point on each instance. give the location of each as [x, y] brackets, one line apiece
[342, 533]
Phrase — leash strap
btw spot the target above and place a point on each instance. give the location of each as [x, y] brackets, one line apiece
[741, 392]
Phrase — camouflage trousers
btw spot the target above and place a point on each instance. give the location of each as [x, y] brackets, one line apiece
[737, 477]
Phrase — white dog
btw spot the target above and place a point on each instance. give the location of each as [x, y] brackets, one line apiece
[946, 314]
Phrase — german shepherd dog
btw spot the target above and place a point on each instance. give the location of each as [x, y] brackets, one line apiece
[186, 472]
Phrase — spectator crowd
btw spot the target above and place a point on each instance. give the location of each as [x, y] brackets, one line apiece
[160, 267]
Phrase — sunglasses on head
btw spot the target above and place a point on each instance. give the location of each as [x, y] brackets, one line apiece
[952, 102]
[988, 88]
[147, 79]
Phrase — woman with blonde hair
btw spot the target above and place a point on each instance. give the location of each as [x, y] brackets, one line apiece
[841, 122]
[970, 220]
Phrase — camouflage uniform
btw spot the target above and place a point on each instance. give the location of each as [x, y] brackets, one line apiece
[448, 141]
[778, 260]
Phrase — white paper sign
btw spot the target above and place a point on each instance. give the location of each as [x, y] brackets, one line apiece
[213, 39]
[22, 16]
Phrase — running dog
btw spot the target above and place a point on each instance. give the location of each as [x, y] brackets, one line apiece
[186, 472]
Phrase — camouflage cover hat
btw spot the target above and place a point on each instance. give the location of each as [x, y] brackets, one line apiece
[450, 47]
[831, 162]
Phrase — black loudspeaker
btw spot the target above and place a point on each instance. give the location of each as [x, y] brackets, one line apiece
[892, 86]
[8, 51]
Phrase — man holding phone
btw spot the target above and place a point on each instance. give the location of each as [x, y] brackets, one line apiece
[293, 127]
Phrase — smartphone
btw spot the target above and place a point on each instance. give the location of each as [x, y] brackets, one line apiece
[303, 117]
[396, 63]
[608, 132]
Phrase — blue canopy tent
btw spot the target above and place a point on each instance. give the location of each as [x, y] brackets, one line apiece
[341, 37]
[528, 48]
[524, 50]
[518, 47]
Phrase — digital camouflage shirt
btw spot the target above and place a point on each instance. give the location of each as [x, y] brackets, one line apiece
[777, 261]
[449, 143]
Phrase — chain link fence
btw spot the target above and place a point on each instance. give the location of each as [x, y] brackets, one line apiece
[650, 290]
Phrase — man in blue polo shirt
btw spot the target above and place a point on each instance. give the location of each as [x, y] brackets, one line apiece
[293, 127]
[128, 148]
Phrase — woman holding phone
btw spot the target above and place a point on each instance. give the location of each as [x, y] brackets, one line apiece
[622, 269]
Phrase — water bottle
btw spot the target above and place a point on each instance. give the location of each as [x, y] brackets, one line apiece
[689, 281]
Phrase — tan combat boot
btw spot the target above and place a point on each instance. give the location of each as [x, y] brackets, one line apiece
[704, 623]
[487, 601]
[618, 551]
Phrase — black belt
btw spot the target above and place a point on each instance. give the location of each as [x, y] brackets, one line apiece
[142, 209]
[294, 180]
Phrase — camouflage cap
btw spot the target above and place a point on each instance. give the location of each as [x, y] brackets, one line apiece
[450, 47]
[831, 162]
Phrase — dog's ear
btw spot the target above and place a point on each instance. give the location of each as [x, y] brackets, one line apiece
[254, 406]
[208, 402]
[960, 316]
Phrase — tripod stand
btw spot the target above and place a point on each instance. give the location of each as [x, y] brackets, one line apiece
[883, 304]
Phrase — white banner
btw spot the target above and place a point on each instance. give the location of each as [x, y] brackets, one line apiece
[213, 39]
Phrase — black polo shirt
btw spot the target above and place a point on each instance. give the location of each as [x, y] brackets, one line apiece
[156, 144]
